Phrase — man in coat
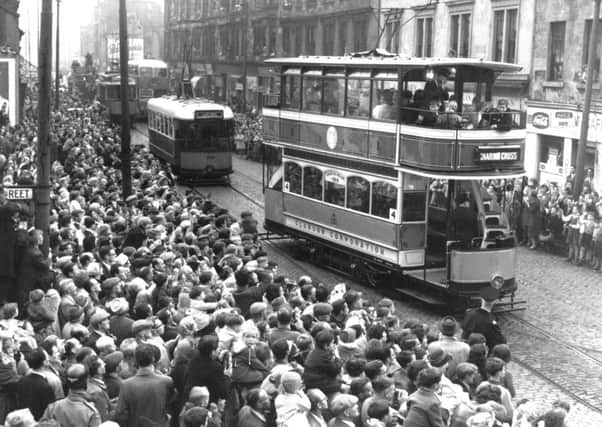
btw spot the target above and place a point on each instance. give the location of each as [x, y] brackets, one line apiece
[144, 397]
[253, 414]
[424, 406]
[33, 390]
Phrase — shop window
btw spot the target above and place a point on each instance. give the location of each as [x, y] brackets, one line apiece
[334, 188]
[385, 96]
[358, 194]
[414, 198]
[358, 95]
[312, 182]
[556, 52]
[312, 93]
[292, 92]
[292, 177]
[384, 200]
[334, 95]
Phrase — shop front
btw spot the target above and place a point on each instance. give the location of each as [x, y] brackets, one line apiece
[552, 141]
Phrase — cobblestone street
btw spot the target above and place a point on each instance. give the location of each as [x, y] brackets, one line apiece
[555, 342]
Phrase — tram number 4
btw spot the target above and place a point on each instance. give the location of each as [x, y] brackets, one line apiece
[392, 214]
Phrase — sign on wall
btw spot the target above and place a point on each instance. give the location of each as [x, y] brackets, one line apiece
[135, 48]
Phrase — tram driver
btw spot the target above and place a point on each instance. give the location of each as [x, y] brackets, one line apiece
[464, 222]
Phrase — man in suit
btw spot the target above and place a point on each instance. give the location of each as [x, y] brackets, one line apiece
[253, 414]
[424, 406]
[143, 398]
[33, 390]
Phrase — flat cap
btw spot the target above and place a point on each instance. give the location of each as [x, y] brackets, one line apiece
[141, 325]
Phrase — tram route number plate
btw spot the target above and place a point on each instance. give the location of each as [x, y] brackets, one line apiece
[18, 193]
[497, 154]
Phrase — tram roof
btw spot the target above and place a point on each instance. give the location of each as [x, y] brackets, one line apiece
[154, 63]
[393, 62]
[184, 109]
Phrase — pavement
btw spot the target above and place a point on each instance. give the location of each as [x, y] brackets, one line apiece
[556, 344]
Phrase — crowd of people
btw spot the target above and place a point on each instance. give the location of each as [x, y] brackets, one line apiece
[164, 310]
[248, 136]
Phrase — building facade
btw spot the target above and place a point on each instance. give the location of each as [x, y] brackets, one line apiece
[560, 59]
[145, 32]
[221, 41]
[10, 38]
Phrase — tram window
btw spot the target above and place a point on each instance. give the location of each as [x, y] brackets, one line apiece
[162, 72]
[334, 95]
[358, 194]
[385, 99]
[292, 177]
[113, 92]
[312, 182]
[312, 93]
[358, 97]
[146, 72]
[132, 92]
[384, 199]
[414, 198]
[133, 70]
[438, 193]
[334, 188]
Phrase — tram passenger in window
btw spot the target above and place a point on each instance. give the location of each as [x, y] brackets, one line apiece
[436, 89]
[313, 97]
[431, 116]
[450, 119]
[416, 107]
[464, 222]
[407, 115]
[384, 109]
[332, 97]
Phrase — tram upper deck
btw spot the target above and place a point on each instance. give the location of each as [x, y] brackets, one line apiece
[427, 115]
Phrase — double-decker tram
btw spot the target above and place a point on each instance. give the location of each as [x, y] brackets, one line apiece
[384, 166]
[108, 87]
[194, 137]
[152, 80]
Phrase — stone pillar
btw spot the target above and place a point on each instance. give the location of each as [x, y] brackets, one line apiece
[567, 154]
[532, 148]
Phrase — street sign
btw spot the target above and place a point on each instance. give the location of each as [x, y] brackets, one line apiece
[18, 193]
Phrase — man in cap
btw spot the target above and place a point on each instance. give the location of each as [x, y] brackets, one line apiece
[99, 327]
[345, 409]
[111, 377]
[120, 322]
[142, 330]
[143, 398]
[483, 321]
[451, 394]
[448, 327]
[75, 410]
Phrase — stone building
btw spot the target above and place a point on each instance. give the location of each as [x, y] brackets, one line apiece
[223, 40]
[10, 38]
[560, 56]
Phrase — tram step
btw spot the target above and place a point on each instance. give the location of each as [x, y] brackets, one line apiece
[422, 296]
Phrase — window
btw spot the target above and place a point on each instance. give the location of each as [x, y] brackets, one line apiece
[287, 50]
[459, 40]
[392, 30]
[292, 177]
[384, 96]
[556, 52]
[328, 37]
[586, 44]
[360, 34]
[358, 94]
[334, 191]
[505, 24]
[414, 198]
[298, 40]
[292, 90]
[384, 199]
[312, 182]
[342, 49]
[310, 39]
[358, 194]
[424, 37]
[334, 95]
[312, 92]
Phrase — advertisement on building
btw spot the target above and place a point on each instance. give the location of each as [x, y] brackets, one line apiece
[135, 48]
[9, 103]
[552, 140]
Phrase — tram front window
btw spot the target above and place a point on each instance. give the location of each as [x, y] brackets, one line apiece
[358, 194]
[312, 182]
[292, 177]
[384, 199]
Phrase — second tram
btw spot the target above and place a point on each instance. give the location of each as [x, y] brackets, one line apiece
[152, 80]
[108, 87]
[382, 167]
[195, 137]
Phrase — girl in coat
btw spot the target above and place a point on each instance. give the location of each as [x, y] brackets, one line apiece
[292, 404]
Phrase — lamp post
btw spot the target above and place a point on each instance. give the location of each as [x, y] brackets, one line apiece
[57, 78]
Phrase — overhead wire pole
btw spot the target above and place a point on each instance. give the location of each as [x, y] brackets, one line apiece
[57, 79]
[126, 172]
[591, 57]
[42, 199]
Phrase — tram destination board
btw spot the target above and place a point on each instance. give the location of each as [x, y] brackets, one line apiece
[486, 154]
[212, 114]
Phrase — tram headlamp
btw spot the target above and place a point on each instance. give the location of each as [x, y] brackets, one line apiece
[430, 74]
[497, 281]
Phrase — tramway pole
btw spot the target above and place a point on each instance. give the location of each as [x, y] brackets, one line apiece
[42, 205]
[126, 171]
[57, 79]
[580, 166]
